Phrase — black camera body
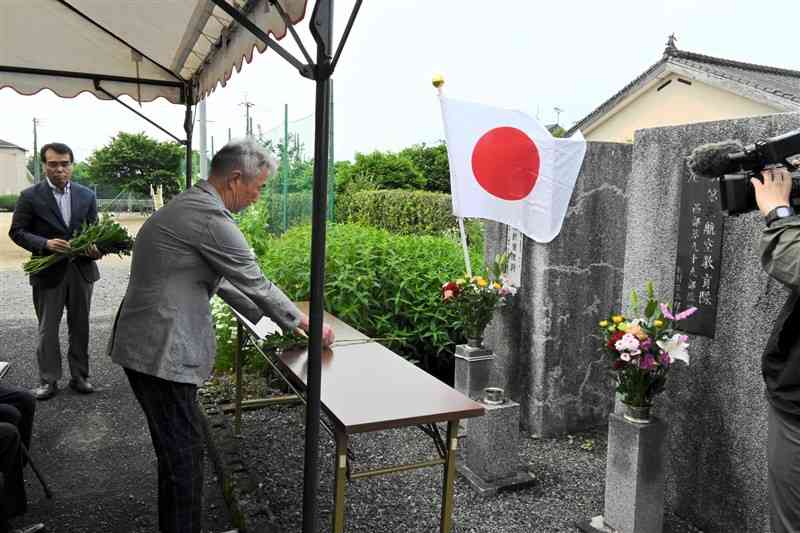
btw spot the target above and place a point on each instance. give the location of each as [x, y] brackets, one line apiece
[734, 165]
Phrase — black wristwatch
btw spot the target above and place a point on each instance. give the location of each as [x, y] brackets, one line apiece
[782, 211]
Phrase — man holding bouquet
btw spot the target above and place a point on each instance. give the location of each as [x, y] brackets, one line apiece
[45, 218]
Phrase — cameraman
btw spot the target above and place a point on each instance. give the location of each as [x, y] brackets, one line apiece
[780, 257]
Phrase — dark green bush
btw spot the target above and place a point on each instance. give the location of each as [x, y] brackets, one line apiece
[7, 202]
[408, 213]
[383, 284]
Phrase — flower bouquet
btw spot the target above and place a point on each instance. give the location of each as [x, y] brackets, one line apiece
[643, 349]
[476, 298]
[108, 235]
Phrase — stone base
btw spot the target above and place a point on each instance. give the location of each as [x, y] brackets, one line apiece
[595, 525]
[634, 493]
[519, 480]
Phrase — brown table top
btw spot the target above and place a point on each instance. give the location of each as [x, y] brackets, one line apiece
[367, 387]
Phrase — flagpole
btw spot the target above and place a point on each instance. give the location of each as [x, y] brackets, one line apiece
[438, 82]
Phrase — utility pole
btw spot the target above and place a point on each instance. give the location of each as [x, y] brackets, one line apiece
[203, 141]
[37, 166]
[248, 123]
[558, 111]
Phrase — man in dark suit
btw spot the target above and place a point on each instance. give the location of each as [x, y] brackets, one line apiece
[46, 216]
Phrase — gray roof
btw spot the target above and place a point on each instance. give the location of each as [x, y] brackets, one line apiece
[781, 84]
[7, 145]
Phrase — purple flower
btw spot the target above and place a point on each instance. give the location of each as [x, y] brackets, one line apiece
[647, 362]
[664, 358]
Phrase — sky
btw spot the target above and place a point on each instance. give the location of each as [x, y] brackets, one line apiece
[528, 55]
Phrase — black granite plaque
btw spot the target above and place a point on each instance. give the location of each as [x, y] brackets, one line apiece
[699, 254]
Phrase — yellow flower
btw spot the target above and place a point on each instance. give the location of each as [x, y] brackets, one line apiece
[481, 282]
[496, 285]
[616, 319]
[658, 323]
[603, 323]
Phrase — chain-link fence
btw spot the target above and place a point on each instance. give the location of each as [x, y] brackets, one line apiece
[288, 197]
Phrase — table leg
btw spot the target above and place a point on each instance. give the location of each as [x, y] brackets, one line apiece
[446, 523]
[237, 361]
[340, 483]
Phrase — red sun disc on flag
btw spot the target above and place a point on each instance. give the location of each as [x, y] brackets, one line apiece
[505, 162]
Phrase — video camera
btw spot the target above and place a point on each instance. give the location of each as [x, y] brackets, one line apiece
[734, 165]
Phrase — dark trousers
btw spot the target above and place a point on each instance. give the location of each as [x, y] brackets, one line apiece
[175, 428]
[783, 479]
[74, 294]
[17, 407]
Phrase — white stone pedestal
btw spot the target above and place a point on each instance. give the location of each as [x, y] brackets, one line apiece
[634, 498]
[492, 451]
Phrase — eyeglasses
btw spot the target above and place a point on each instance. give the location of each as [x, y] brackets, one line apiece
[56, 164]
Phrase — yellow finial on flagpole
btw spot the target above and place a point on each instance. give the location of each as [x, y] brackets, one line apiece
[438, 81]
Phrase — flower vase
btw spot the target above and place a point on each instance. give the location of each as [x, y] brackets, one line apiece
[638, 414]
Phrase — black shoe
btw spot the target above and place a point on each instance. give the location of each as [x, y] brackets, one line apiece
[81, 385]
[45, 391]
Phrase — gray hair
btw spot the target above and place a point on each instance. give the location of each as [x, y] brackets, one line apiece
[244, 155]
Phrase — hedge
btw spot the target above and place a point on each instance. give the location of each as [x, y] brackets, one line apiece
[8, 201]
[383, 284]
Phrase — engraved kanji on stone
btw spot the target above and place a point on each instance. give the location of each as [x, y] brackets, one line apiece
[708, 262]
[704, 298]
[696, 222]
[706, 281]
[697, 209]
[709, 228]
[713, 195]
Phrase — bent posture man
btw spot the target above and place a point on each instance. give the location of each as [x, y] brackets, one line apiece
[164, 336]
[46, 216]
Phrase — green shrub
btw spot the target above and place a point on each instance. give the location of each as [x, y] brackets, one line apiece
[383, 284]
[408, 213]
[225, 331]
[7, 202]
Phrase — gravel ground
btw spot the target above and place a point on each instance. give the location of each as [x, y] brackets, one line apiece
[569, 472]
[95, 450]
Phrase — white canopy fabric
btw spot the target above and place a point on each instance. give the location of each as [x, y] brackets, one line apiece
[144, 48]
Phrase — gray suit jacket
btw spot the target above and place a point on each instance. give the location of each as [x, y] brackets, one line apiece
[181, 255]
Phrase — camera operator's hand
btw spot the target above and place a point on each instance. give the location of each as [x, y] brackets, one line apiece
[774, 191]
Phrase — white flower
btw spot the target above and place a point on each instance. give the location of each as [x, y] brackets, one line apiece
[628, 343]
[625, 356]
[676, 347]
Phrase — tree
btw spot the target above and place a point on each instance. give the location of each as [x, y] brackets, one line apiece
[383, 170]
[134, 161]
[431, 162]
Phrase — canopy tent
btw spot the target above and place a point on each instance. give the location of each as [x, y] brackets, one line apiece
[143, 49]
[181, 50]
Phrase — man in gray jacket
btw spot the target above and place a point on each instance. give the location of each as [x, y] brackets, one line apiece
[163, 334]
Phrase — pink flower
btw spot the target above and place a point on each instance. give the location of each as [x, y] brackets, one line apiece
[664, 358]
[647, 362]
[680, 316]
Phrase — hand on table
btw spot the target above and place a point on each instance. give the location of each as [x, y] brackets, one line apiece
[328, 337]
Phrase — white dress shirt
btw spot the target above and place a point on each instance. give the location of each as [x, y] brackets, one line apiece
[63, 200]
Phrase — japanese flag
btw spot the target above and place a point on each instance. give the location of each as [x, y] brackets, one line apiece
[505, 166]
